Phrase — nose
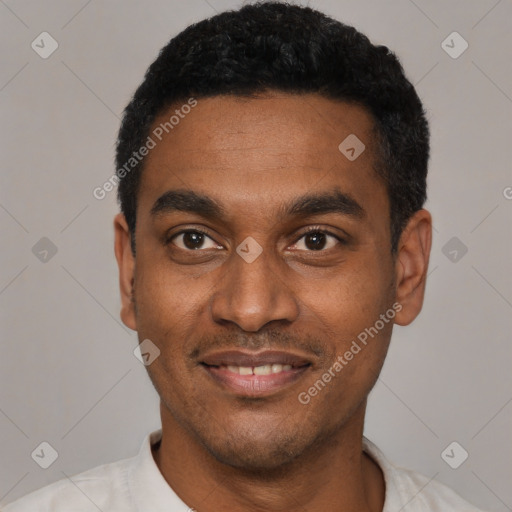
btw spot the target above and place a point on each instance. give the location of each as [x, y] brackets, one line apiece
[253, 294]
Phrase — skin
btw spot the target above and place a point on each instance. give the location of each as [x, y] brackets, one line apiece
[220, 451]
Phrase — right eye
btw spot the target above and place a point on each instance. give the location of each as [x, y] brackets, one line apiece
[192, 240]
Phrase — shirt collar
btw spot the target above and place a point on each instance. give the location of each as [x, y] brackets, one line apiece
[392, 497]
[149, 489]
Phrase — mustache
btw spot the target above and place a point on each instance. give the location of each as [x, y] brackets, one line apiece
[271, 340]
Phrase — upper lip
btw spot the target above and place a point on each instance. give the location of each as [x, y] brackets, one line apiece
[241, 358]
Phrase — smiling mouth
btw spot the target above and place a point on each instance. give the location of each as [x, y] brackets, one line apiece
[255, 375]
[266, 369]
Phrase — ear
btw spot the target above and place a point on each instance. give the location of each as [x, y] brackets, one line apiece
[126, 264]
[411, 266]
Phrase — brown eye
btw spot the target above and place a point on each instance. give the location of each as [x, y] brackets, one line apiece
[193, 240]
[317, 240]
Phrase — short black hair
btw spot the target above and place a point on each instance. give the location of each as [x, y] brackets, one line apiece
[276, 46]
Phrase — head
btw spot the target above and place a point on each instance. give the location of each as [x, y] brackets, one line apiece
[277, 205]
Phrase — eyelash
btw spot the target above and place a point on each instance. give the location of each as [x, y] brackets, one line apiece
[307, 231]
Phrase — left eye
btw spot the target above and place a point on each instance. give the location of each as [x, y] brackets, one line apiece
[317, 241]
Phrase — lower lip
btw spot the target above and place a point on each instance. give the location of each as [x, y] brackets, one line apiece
[255, 385]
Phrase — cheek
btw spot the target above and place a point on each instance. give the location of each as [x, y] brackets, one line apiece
[348, 309]
[356, 364]
[167, 309]
[160, 288]
[352, 298]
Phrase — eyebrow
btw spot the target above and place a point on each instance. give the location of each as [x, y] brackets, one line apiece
[306, 205]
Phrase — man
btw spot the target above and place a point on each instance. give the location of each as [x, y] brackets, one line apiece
[272, 170]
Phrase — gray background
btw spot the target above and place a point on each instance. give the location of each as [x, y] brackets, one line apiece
[67, 369]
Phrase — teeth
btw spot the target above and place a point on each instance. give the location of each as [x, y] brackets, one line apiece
[265, 369]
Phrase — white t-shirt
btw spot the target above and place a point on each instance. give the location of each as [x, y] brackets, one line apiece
[136, 485]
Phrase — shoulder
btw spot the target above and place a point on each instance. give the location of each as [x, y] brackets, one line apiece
[411, 491]
[427, 494]
[104, 487]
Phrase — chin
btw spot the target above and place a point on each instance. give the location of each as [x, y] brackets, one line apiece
[256, 448]
[256, 456]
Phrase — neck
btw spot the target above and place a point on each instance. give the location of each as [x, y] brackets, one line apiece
[334, 472]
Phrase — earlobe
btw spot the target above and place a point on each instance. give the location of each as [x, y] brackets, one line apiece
[126, 264]
[412, 266]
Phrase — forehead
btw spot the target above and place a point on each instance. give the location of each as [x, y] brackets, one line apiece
[263, 150]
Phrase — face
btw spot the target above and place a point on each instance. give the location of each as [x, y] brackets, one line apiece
[262, 254]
